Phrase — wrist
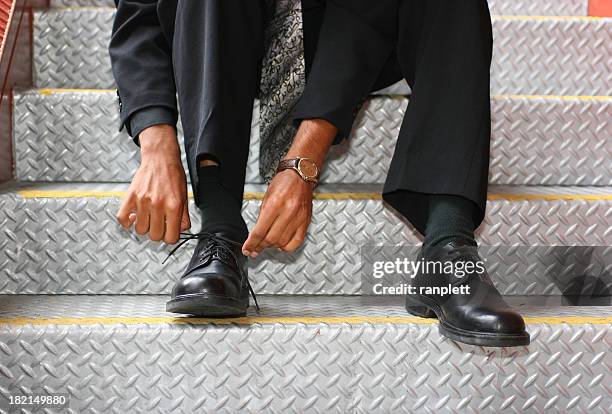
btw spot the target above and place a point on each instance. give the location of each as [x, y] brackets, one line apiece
[297, 179]
[317, 158]
[313, 140]
[305, 168]
[159, 139]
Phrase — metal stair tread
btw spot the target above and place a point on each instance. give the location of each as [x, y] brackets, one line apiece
[125, 354]
[135, 309]
[60, 37]
[327, 191]
[549, 140]
[64, 238]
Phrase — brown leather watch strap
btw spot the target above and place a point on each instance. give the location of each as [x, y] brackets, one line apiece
[287, 164]
[295, 164]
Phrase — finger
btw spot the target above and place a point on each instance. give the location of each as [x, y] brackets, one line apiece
[296, 241]
[266, 217]
[264, 244]
[142, 216]
[279, 234]
[256, 237]
[185, 220]
[283, 247]
[173, 224]
[127, 206]
[156, 224]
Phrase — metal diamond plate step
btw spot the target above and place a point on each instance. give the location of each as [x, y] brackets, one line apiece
[63, 135]
[74, 136]
[320, 355]
[533, 55]
[64, 239]
[509, 7]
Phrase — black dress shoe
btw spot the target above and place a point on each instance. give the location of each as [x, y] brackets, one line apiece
[215, 283]
[476, 313]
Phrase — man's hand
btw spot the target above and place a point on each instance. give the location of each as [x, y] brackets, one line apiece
[287, 206]
[157, 197]
[284, 216]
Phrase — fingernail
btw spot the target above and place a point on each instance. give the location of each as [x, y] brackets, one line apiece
[246, 252]
[254, 255]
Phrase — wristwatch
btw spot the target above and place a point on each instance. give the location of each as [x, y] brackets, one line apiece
[305, 167]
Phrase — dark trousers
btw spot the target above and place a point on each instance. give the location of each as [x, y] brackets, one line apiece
[217, 50]
[441, 47]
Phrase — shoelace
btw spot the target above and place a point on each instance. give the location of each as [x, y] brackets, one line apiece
[216, 242]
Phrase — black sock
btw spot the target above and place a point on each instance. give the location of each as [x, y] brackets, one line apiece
[221, 212]
[450, 219]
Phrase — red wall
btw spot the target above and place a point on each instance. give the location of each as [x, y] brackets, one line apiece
[602, 8]
[5, 12]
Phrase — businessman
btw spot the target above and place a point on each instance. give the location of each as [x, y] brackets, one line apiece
[209, 53]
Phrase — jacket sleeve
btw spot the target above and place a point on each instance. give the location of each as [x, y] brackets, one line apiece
[142, 66]
[356, 41]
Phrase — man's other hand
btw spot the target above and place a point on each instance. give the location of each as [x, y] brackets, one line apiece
[157, 197]
[284, 217]
[286, 209]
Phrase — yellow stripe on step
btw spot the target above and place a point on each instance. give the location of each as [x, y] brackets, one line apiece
[550, 18]
[318, 196]
[69, 194]
[263, 320]
[549, 197]
[57, 91]
[601, 98]
[118, 194]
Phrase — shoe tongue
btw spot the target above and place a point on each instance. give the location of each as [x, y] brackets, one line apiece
[210, 250]
[452, 248]
[460, 243]
[218, 248]
[454, 251]
[221, 253]
[461, 247]
[211, 246]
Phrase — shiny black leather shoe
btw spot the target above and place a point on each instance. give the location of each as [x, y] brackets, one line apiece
[480, 317]
[215, 283]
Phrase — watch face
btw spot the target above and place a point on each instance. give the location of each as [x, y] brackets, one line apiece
[308, 168]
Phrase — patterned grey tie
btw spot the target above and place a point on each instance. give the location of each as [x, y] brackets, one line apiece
[283, 79]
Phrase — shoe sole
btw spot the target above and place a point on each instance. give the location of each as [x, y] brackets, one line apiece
[417, 308]
[208, 306]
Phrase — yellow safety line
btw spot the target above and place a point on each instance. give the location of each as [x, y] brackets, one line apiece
[317, 196]
[119, 194]
[555, 97]
[250, 320]
[52, 91]
[549, 197]
[69, 194]
[559, 18]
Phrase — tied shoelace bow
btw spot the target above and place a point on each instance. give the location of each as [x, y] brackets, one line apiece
[215, 244]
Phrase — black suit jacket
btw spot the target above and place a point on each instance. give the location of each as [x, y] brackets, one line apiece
[345, 42]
